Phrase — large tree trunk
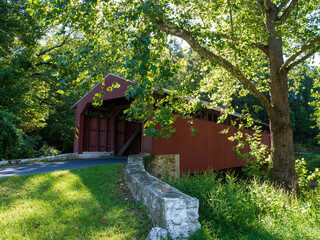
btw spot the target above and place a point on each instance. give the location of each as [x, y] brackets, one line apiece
[283, 159]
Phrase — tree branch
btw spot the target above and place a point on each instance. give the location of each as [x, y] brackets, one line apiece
[262, 47]
[212, 57]
[52, 48]
[261, 4]
[283, 4]
[266, 5]
[46, 63]
[231, 26]
[305, 57]
[57, 46]
[303, 49]
[287, 12]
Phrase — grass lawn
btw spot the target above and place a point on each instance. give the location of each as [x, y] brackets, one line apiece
[88, 203]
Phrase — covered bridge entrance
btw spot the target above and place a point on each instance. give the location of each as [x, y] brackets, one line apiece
[105, 128]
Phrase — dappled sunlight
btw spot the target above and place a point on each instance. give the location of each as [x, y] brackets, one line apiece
[23, 209]
[71, 188]
[79, 204]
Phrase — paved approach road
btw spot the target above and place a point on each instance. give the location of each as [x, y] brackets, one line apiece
[35, 168]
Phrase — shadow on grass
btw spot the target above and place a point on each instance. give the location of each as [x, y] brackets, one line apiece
[80, 204]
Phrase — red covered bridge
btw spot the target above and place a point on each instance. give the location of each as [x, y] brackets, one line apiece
[105, 129]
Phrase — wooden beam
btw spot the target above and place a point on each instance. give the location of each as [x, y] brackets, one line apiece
[130, 140]
[112, 134]
[112, 108]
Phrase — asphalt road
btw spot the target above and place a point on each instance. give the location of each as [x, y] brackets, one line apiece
[35, 168]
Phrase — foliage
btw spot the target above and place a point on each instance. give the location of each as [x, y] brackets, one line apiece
[312, 160]
[13, 142]
[315, 92]
[45, 67]
[303, 122]
[250, 149]
[20, 29]
[233, 208]
[305, 175]
[46, 150]
[89, 203]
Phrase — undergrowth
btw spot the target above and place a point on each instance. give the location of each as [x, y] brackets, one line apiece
[233, 208]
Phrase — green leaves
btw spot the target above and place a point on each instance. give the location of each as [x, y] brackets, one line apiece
[46, 57]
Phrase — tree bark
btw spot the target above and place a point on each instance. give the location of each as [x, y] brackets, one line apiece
[283, 159]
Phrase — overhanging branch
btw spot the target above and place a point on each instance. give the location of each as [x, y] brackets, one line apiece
[262, 47]
[283, 4]
[302, 50]
[56, 46]
[212, 57]
[304, 58]
[287, 12]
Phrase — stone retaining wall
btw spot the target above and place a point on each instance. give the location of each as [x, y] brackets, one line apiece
[167, 207]
[163, 166]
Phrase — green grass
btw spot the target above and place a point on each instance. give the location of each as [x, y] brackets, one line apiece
[88, 203]
[234, 208]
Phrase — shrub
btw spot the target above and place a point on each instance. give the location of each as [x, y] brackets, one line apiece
[13, 142]
[258, 158]
[47, 150]
[234, 208]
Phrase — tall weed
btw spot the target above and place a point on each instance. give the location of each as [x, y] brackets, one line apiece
[232, 208]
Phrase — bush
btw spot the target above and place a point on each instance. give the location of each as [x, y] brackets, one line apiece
[13, 142]
[47, 150]
[233, 208]
[305, 175]
[258, 158]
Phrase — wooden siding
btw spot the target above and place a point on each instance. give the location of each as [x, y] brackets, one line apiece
[207, 149]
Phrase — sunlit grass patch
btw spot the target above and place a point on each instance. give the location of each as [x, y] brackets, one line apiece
[80, 204]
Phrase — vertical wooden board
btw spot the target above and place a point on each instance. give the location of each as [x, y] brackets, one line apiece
[94, 123]
[102, 134]
[128, 126]
[126, 135]
[109, 135]
[86, 134]
[210, 159]
[103, 124]
[136, 146]
[146, 144]
[120, 131]
[94, 134]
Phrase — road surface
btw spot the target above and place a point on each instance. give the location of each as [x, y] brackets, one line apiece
[35, 168]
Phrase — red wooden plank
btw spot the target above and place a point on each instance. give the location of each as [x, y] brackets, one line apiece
[206, 149]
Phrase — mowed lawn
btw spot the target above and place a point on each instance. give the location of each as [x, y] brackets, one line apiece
[88, 203]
